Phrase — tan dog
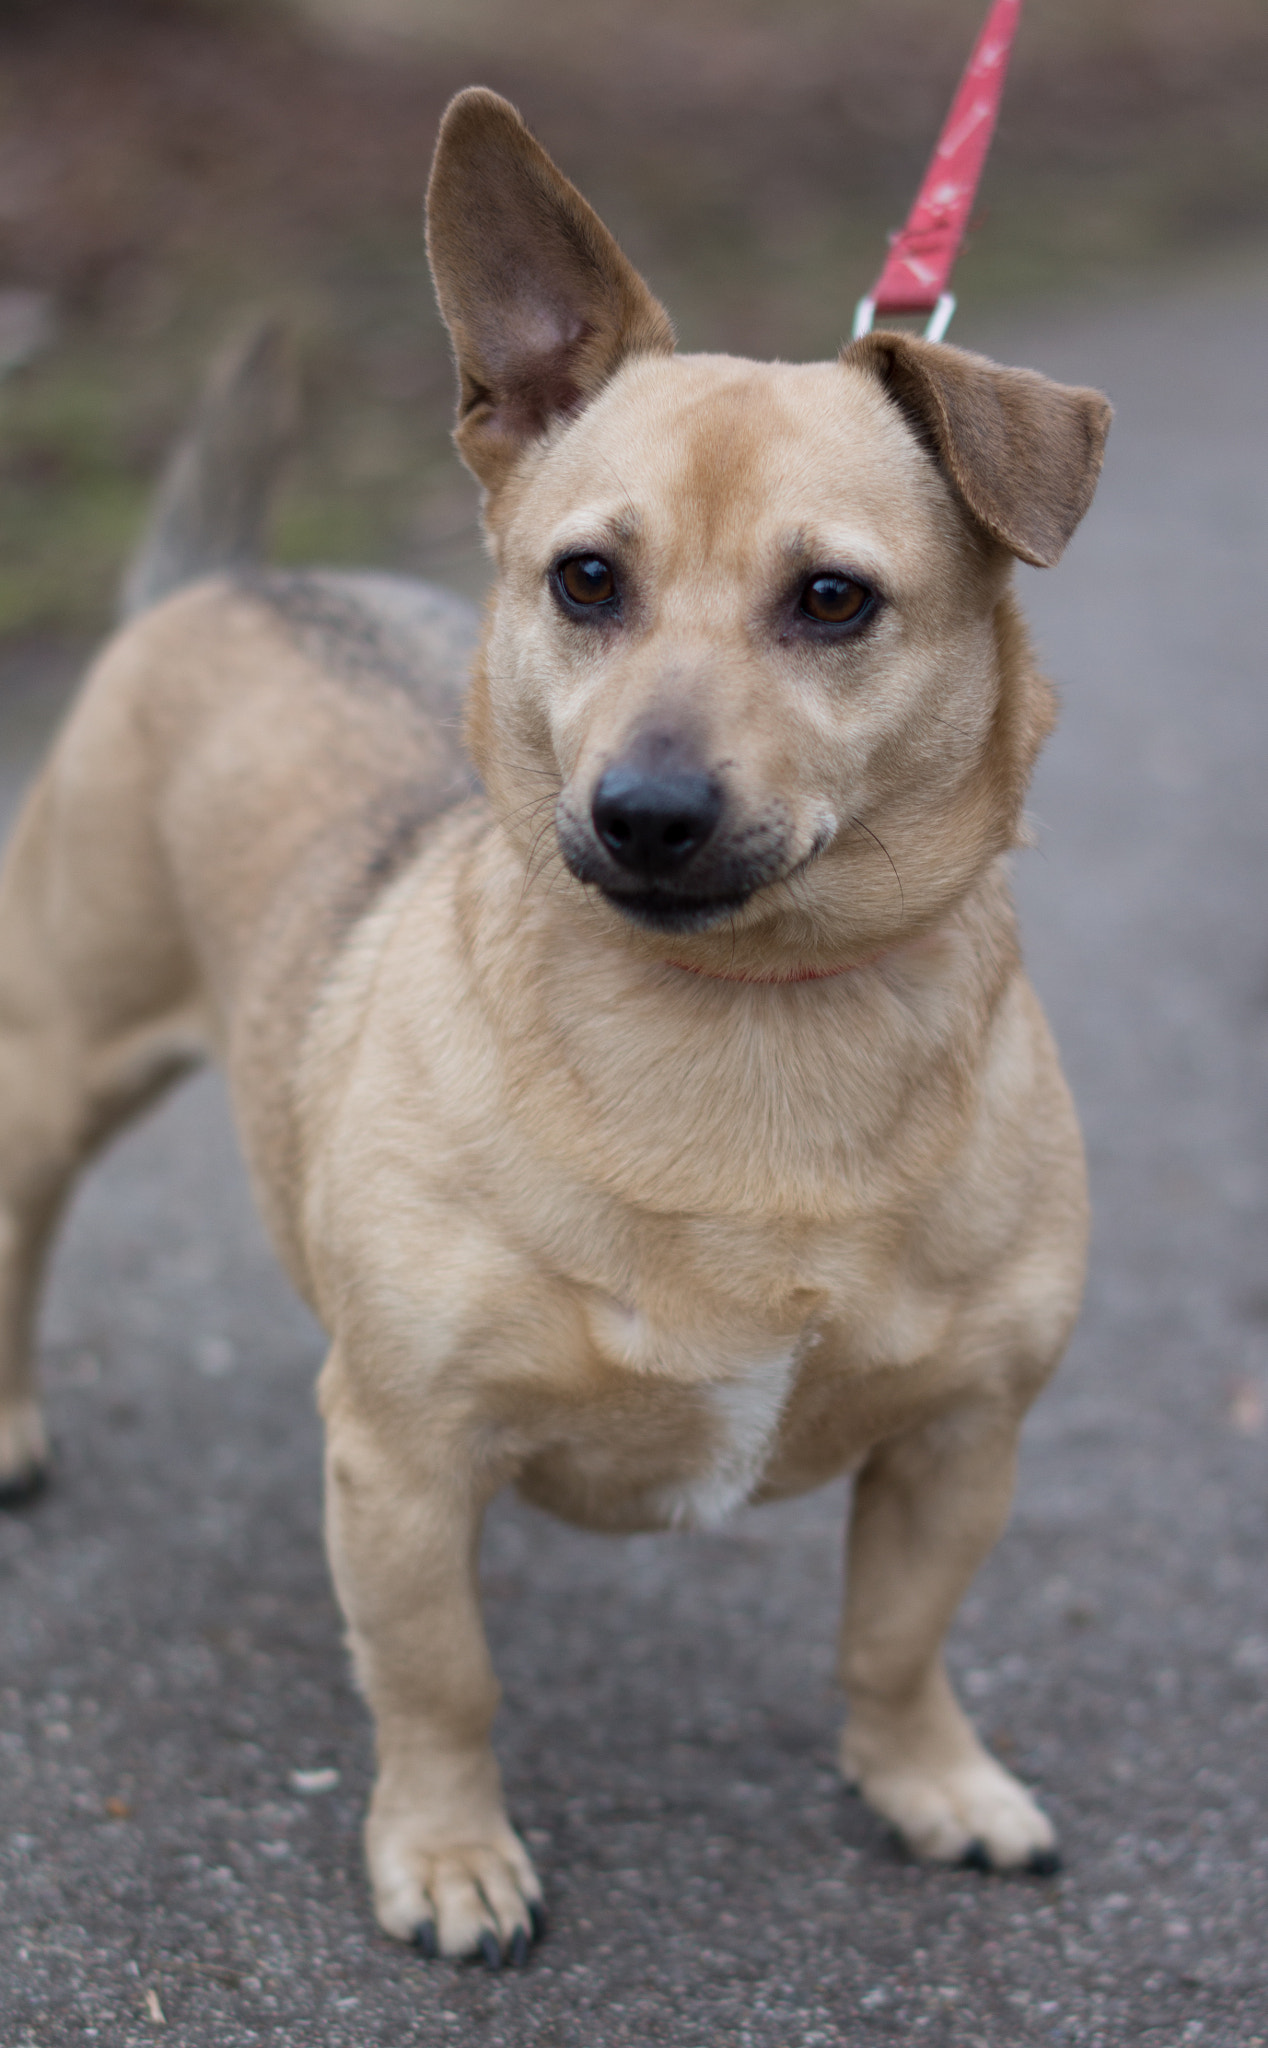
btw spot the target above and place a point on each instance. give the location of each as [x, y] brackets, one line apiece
[671, 1126]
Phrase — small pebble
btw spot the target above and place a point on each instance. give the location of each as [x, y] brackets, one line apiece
[309, 1782]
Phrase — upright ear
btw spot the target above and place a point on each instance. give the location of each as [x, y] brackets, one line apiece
[1023, 453]
[540, 303]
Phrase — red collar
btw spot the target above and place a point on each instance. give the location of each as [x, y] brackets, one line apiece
[778, 980]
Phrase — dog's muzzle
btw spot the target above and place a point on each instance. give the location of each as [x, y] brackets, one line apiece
[660, 849]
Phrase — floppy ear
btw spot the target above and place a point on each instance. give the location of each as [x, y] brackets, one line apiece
[540, 303]
[1023, 453]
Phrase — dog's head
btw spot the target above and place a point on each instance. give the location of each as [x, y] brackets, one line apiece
[751, 654]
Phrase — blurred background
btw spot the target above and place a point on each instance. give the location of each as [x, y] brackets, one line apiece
[166, 163]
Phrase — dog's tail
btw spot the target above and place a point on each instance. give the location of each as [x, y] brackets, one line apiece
[211, 508]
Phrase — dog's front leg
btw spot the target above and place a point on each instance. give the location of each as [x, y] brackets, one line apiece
[404, 1510]
[928, 1506]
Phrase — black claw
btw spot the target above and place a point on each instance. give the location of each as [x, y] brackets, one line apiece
[490, 1950]
[425, 1940]
[517, 1953]
[1043, 1863]
[976, 1857]
[23, 1487]
[537, 1919]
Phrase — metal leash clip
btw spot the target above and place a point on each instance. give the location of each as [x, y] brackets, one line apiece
[939, 319]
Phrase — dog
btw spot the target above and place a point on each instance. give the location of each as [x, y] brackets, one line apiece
[665, 1123]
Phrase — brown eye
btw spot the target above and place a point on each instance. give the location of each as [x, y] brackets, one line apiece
[587, 579]
[835, 600]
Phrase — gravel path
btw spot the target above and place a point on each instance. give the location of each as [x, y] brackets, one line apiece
[184, 1760]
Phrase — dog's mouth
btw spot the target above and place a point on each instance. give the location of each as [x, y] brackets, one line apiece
[691, 893]
[656, 910]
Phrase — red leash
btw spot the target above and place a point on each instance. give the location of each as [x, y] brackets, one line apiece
[921, 256]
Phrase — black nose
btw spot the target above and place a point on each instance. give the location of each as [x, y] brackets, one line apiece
[652, 821]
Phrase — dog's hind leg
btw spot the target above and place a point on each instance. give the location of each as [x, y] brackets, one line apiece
[99, 1007]
[96, 1017]
[928, 1507]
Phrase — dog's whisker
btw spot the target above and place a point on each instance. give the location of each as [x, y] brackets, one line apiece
[960, 731]
[857, 825]
[535, 868]
[532, 874]
[530, 808]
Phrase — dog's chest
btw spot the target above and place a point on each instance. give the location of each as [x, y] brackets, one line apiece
[746, 1413]
[738, 1387]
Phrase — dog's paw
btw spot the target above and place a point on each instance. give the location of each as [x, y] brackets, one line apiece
[23, 1453]
[466, 1899]
[969, 1810]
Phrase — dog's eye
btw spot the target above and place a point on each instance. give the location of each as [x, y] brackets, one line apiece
[586, 579]
[835, 600]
